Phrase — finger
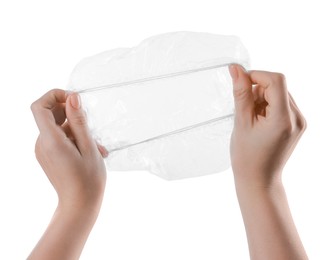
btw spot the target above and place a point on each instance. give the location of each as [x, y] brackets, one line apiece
[260, 103]
[59, 113]
[292, 100]
[66, 129]
[258, 93]
[242, 89]
[275, 90]
[78, 123]
[299, 118]
[42, 110]
[102, 150]
[299, 123]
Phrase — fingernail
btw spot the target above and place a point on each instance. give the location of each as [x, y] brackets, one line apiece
[75, 101]
[233, 71]
[105, 154]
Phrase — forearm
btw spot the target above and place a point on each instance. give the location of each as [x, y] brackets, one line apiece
[270, 229]
[66, 234]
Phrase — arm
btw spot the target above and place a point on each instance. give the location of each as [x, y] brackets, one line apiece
[73, 163]
[268, 125]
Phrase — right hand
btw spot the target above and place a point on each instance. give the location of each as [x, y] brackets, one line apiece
[268, 125]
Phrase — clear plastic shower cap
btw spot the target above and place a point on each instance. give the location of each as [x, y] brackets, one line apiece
[164, 106]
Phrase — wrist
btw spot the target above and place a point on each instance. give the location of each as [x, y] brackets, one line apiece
[77, 217]
[81, 198]
[257, 181]
[78, 206]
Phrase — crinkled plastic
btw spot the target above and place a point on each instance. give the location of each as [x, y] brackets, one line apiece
[164, 106]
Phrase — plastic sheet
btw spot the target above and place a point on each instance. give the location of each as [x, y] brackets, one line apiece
[166, 105]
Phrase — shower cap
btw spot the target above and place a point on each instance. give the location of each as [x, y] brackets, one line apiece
[165, 105]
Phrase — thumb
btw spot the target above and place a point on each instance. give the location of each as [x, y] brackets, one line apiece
[244, 102]
[77, 122]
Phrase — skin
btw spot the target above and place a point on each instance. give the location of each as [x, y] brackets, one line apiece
[74, 165]
[268, 125]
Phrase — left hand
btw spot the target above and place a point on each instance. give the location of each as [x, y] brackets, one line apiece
[69, 156]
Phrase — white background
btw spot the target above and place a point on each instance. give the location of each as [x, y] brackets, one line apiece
[144, 217]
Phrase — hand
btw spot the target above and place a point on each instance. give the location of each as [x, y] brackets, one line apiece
[267, 127]
[74, 165]
[67, 153]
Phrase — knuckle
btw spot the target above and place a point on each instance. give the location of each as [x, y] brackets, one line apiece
[34, 106]
[240, 93]
[305, 124]
[301, 124]
[278, 78]
[289, 128]
[79, 120]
